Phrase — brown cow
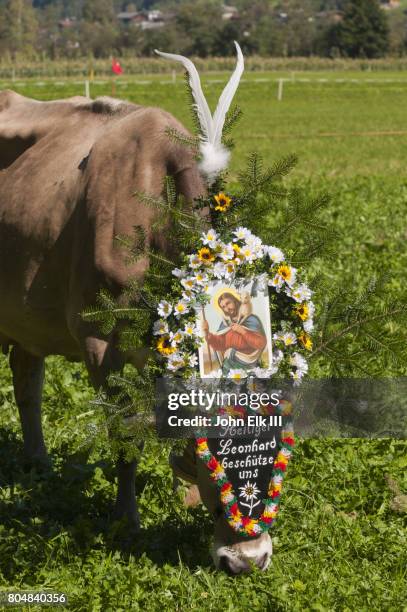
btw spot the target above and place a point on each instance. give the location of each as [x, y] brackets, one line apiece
[69, 172]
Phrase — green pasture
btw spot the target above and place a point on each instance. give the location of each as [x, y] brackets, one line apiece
[339, 124]
[339, 543]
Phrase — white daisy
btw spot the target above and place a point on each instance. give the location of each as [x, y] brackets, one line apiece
[237, 374]
[297, 377]
[160, 328]
[200, 278]
[308, 325]
[181, 308]
[190, 329]
[276, 282]
[301, 293]
[242, 233]
[192, 360]
[299, 362]
[288, 338]
[210, 238]
[175, 362]
[226, 252]
[277, 357]
[194, 262]
[164, 309]
[276, 255]
[219, 270]
[187, 295]
[248, 253]
[178, 273]
[188, 282]
[176, 337]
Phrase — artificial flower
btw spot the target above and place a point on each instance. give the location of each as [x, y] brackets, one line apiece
[305, 340]
[180, 308]
[164, 309]
[206, 256]
[160, 327]
[302, 311]
[223, 202]
[164, 346]
[210, 238]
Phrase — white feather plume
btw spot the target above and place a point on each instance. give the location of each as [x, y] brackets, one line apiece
[215, 156]
[227, 96]
[201, 105]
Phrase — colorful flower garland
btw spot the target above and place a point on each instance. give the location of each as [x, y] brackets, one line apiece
[229, 256]
[240, 523]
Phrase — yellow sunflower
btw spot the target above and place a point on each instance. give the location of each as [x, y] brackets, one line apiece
[302, 311]
[305, 340]
[205, 255]
[285, 272]
[164, 346]
[223, 202]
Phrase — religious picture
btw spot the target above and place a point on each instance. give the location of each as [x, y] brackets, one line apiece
[236, 327]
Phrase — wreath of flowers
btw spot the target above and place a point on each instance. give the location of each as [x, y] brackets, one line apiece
[243, 524]
[235, 256]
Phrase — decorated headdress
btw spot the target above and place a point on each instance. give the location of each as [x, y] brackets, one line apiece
[214, 155]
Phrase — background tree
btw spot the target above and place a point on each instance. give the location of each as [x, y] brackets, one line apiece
[99, 28]
[364, 30]
[18, 27]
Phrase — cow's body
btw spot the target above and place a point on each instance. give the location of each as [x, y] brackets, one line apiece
[63, 200]
[69, 173]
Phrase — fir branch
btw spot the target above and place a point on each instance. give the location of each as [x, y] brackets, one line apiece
[357, 324]
[233, 116]
[183, 139]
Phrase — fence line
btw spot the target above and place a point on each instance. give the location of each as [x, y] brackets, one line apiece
[280, 81]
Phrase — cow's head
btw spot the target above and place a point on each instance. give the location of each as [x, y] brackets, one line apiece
[231, 552]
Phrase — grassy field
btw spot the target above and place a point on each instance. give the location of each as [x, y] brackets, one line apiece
[338, 542]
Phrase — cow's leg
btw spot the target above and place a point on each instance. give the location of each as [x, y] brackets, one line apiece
[28, 378]
[103, 358]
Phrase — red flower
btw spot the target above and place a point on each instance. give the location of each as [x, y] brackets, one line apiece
[234, 509]
[266, 519]
[280, 466]
[288, 440]
[225, 487]
[212, 463]
[275, 494]
[245, 520]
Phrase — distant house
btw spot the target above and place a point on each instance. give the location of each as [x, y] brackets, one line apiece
[229, 12]
[145, 20]
[388, 5]
[127, 17]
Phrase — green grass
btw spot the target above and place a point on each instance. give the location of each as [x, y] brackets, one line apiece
[338, 545]
[337, 129]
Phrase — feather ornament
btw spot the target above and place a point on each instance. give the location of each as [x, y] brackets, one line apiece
[214, 155]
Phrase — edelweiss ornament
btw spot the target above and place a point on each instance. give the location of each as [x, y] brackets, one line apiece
[214, 155]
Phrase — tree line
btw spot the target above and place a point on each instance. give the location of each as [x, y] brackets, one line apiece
[101, 28]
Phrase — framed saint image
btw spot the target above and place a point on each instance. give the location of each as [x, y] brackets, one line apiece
[236, 326]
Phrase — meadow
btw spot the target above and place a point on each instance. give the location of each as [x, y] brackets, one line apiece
[339, 543]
